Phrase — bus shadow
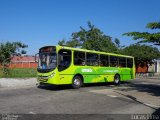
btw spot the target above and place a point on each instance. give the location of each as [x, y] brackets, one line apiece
[86, 85]
[54, 87]
[108, 84]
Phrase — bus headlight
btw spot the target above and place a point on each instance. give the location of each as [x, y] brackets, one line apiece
[51, 75]
[46, 77]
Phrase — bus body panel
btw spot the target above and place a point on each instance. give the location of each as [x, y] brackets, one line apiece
[88, 78]
[125, 74]
[91, 74]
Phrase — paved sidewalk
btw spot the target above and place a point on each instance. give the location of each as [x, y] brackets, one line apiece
[141, 97]
[144, 91]
[17, 83]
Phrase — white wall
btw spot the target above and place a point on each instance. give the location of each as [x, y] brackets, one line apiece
[157, 67]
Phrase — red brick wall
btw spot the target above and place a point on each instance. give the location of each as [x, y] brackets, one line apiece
[22, 62]
[143, 69]
[23, 65]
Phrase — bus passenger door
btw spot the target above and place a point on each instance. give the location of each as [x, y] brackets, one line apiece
[64, 63]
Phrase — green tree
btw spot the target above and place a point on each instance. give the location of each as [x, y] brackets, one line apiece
[119, 46]
[8, 50]
[117, 42]
[146, 37]
[142, 53]
[91, 38]
[62, 42]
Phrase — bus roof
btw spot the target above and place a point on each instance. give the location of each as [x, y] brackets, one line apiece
[93, 51]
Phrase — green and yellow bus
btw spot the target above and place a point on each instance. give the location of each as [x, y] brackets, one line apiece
[60, 65]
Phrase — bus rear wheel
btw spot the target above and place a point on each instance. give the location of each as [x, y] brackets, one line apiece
[77, 82]
[116, 79]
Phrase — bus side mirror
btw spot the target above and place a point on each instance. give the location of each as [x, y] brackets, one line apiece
[36, 57]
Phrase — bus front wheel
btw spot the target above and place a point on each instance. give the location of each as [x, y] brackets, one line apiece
[77, 82]
[116, 79]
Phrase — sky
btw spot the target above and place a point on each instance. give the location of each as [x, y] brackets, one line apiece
[38, 23]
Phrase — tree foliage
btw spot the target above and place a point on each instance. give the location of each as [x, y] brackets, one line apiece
[142, 53]
[8, 50]
[146, 37]
[91, 39]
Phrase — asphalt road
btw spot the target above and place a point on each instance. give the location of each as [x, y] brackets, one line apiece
[91, 102]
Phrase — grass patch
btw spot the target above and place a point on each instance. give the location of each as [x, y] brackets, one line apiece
[19, 73]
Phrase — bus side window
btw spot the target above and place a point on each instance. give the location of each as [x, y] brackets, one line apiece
[104, 61]
[92, 59]
[113, 61]
[122, 62]
[129, 62]
[79, 58]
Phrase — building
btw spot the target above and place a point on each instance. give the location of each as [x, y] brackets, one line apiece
[23, 62]
[155, 67]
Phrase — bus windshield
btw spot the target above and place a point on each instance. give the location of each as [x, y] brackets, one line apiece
[47, 61]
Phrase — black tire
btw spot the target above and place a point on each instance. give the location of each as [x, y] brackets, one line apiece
[116, 79]
[77, 82]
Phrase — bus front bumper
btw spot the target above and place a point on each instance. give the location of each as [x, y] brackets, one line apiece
[44, 79]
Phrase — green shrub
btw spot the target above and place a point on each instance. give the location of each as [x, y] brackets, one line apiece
[19, 73]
